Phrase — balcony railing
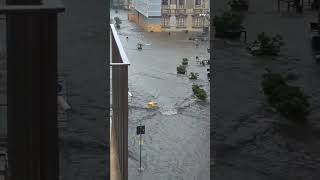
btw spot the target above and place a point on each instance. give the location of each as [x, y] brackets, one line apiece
[181, 12]
[197, 11]
[165, 11]
[119, 64]
[170, 12]
[181, 6]
[199, 6]
[165, 7]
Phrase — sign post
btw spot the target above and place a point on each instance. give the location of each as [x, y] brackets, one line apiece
[140, 131]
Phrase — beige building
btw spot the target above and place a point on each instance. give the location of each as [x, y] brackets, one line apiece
[174, 15]
[120, 4]
[181, 15]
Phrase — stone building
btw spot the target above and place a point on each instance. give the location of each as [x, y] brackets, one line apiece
[171, 15]
[124, 4]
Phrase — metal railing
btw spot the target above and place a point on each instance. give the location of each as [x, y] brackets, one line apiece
[119, 64]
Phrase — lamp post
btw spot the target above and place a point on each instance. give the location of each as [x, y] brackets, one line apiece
[203, 15]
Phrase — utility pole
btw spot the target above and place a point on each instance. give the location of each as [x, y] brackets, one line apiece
[140, 131]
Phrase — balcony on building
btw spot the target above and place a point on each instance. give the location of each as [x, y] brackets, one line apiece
[163, 6]
[165, 11]
[181, 12]
[181, 6]
[197, 11]
[119, 105]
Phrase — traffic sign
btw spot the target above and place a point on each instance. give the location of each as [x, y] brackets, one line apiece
[140, 130]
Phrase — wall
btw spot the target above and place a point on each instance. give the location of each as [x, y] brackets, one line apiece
[151, 24]
[148, 7]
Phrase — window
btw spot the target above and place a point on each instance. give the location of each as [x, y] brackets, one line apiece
[181, 3]
[165, 21]
[196, 22]
[197, 2]
[180, 21]
[164, 2]
[173, 2]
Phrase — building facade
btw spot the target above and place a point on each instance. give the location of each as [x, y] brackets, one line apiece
[147, 14]
[171, 15]
[120, 4]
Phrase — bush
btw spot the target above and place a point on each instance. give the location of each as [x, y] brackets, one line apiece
[181, 69]
[199, 92]
[118, 20]
[265, 45]
[228, 25]
[193, 75]
[238, 5]
[292, 76]
[271, 81]
[290, 101]
[185, 61]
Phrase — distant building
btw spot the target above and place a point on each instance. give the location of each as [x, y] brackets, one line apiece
[123, 4]
[171, 15]
[147, 14]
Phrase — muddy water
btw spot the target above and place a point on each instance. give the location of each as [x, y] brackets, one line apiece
[176, 143]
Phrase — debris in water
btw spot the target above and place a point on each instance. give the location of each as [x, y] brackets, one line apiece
[152, 104]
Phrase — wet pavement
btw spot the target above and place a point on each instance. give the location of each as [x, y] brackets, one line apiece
[251, 141]
[176, 144]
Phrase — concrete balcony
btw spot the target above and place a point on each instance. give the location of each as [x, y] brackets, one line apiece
[199, 6]
[181, 6]
[181, 12]
[165, 7]
[119, 127]
[168, 12]
[197, 11]
[165, 12]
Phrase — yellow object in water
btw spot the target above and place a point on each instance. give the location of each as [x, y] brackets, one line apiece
[152, 104]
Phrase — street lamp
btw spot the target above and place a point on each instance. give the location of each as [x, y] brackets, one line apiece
[203, 15]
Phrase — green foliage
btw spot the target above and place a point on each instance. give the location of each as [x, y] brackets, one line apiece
[193, 75]
[271, 81]
[238, 5]
[185, 61]
[292, 76]
[118, 20]
[181, 69]
[228, 25]
[290, 101]
[199, 92]
[265, 45]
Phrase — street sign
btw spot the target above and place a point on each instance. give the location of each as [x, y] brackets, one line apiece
[140, 130]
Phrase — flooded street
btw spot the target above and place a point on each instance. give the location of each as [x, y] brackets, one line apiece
[252, 141]
[176, 143]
